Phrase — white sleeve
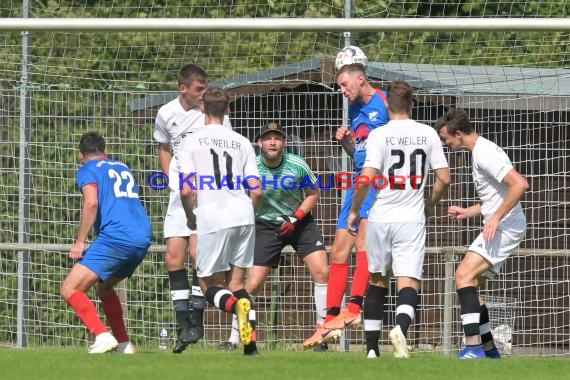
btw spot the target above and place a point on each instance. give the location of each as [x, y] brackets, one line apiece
[250, 167]
[185, 159]
[373, 151]
[496, 163]
[437, 157]
[161, 133]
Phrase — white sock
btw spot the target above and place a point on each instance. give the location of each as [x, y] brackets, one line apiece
[234, 336]
[320, 291]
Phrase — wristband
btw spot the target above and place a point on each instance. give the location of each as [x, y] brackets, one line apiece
[299, 214]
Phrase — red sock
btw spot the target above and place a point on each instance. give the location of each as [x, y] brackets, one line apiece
[338, 282]
[360, 280]
[229, 304]
[86, 311]
[328, 317]
[114, 313]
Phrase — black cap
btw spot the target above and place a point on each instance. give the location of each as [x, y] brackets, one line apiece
[272, 127]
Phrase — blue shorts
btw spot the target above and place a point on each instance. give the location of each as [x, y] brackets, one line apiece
[364, 209]
[111, 259]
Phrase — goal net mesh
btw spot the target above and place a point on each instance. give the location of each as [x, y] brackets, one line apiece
[514, 85]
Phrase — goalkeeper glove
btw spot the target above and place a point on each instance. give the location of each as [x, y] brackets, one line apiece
[289, 222]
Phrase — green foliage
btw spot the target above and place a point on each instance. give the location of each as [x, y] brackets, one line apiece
[208, 363]
[86, 81]
[51, 322]
[126, 60]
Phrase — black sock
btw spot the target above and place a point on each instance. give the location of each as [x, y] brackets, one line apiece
[485, 329]
[373, 312]
[198, 299]
[407, 298]
[470, 310]
[180, 290]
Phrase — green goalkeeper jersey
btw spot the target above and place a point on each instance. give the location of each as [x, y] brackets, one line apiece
[283, 187]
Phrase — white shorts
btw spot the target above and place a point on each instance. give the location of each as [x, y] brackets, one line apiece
[398, 248]
[496, 251]
[217, 250]
[175, 223]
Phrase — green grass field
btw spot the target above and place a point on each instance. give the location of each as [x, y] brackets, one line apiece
[199, 363]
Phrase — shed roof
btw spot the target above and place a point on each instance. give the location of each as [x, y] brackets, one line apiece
[509, 81]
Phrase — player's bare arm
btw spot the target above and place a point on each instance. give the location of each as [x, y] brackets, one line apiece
[255, 192]
[88, 217]
[440, 186]
[460, 213]
[287, 228]
[360, 195]
[442, 182]
[188, 199]
[164, 156]
[518, 185]
[312, 197]
[344, 137]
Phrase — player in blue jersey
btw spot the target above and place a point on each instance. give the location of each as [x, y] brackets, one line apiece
[367, 111]
[112, 207]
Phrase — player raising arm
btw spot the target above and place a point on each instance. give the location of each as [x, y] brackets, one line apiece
[111, 205]
[397, 161]
[500, 188]
[366, 112]
[221, 162]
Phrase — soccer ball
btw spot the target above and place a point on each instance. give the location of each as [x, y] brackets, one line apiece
[350, 55]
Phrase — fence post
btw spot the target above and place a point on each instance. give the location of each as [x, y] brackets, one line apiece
[273, 317]
[448, 300]
[24, 188]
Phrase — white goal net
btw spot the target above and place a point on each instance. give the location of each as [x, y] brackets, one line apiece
[57, 85]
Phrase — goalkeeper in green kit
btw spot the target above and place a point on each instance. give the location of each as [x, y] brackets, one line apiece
[290, 191]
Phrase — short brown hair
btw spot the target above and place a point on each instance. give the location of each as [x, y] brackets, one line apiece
[190, 73]
[400, 96]
[455, 120]
[216, 102]
[92, 143]
[353, 68]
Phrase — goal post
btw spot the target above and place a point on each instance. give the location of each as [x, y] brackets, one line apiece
[281, 24]
[71, 67]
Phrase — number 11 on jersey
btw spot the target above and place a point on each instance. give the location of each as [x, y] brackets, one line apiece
[228, 180]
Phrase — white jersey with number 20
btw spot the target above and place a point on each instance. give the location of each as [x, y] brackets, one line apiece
[402, 151]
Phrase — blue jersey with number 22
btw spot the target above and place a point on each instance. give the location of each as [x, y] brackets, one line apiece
[121, 217]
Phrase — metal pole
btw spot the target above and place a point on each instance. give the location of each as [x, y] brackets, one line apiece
[24, 187]
[448, 291]
[344, 343]
[301, 24]
[274, 306]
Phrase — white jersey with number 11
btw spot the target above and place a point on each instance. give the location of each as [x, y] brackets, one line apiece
[222, 160]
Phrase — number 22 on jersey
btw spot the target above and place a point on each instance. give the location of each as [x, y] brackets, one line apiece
[123, 180]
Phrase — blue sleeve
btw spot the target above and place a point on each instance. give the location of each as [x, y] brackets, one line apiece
[85, 176]
[353, 112]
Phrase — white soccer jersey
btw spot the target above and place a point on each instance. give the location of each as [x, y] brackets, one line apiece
[172, 124]
[222, 160]
[402, 151]
[490, 166]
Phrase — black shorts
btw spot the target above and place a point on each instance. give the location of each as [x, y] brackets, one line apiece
[306, 239]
